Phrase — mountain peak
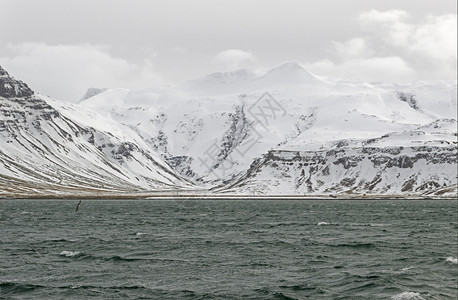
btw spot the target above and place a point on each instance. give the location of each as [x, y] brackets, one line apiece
[11, 87]
[289, 65]
[220, 82]
[228, 77]
[290, 73]
[91, 92]
[3, 72]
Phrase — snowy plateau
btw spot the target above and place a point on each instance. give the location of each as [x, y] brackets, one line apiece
[282, 132]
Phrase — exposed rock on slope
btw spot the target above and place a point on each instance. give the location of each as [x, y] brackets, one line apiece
[372, 171]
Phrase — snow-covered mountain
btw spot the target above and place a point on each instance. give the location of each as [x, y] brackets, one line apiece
[241, 81]
[285, 131]
[52, 148]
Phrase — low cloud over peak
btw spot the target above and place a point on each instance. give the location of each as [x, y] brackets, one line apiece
[392, 47]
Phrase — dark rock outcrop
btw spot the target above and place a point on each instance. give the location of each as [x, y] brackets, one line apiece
[11, 87]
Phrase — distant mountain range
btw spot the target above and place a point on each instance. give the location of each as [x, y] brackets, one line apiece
[282, 132]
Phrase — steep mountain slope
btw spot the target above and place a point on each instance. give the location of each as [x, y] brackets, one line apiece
[47, 150]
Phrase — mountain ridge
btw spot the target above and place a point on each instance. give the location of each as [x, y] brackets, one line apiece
[49, 153]
[232, 140]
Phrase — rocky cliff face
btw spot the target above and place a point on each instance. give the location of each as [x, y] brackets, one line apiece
[10, 87]
[366, 171]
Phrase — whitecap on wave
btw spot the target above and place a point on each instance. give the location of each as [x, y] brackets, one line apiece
[452, 260]
[323, 223]
[370, 224]
[141, 233]
[69, 253]
[407, 268]
[408, 296]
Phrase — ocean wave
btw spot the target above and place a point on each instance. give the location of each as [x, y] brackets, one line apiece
[61, 240]
[297, 287]
[70, 253]
[120, 258]
[10, 288]
[14, 288]
[407, 268]
[370, 224]
[276, 295]
[408, 296]
[354, 245]
[141, 233]
[282, 296]
[452, 260]
[115, 258]
[117, 287]
[283, 224]
[323, 223]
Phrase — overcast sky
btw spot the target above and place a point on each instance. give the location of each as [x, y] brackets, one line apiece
[62, 47]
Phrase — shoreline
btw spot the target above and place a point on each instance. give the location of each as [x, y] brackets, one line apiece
[220, 197]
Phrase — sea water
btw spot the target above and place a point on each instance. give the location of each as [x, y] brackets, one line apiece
[213, 249]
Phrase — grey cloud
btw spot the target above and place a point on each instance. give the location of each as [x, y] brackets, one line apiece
[171, 41]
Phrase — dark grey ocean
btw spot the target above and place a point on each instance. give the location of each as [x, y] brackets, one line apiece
[336, 249]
